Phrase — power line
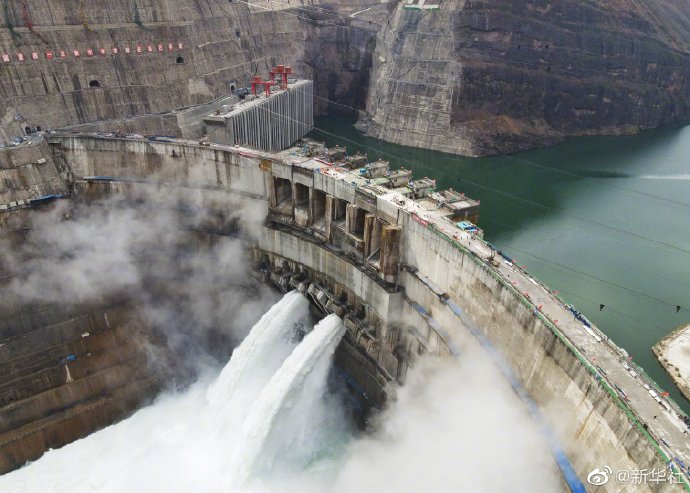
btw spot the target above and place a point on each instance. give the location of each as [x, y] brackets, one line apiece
[533, 163]
[595, 278]
[639, 323]
[570, 269]
[588, 221]
[575, 175]
[313, 8]
[340, 104]
[527, 201]
[603, 257]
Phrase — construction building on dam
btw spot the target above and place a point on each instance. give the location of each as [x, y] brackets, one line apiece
[402, 263]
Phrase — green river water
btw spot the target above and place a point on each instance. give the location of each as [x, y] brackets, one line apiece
[604, 220]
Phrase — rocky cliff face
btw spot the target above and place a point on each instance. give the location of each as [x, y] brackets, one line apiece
[472, 77]
[204, 47]
[191, 53]
[494, 76]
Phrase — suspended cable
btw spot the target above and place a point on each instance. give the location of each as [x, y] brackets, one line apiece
[587, 220]
[321, 10]
[595, 278]
[603, 257]
[575, 175]
[638, 323]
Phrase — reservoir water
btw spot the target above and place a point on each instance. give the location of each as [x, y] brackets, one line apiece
[603, 220]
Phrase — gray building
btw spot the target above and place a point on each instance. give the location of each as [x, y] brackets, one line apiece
[268, 123]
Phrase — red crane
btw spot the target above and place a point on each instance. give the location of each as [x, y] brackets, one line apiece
[258, 81]
[283, 72]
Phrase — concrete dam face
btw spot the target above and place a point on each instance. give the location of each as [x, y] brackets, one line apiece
[399, 265]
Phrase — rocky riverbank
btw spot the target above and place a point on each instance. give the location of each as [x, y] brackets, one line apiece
[673, 352]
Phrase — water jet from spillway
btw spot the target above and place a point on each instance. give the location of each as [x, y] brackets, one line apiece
[303, 372]
[260, 354]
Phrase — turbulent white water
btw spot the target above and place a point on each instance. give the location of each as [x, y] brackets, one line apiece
[302, 376]
[266, 425]
[259, 356]
[189, 440]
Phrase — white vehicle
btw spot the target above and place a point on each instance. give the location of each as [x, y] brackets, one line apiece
[655, 396]
[594, 335]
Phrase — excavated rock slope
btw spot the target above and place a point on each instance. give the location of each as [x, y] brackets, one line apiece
[198, 50]
[496, 76]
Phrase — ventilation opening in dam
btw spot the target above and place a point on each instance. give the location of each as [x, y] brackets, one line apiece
[301, 204]
[374, 245]
[179, 60]
[339, 210]
[94, 83]
[357, 222]
[282, 193]
[319, 209]
[301, 195]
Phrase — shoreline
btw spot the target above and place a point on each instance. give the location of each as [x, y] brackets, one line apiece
[673, 353]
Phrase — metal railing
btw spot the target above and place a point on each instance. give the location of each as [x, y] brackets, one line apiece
[572, 348]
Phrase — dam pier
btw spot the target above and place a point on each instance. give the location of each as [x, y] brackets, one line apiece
[402, 263]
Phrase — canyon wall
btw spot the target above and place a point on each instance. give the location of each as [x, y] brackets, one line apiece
[471, 77]
[491, 77]
[190, 53]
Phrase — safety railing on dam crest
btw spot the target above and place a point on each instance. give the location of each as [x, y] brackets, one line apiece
[629, 412]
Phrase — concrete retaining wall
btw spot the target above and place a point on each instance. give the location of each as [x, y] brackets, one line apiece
[590, 423]
[160, 161]
[28, 172]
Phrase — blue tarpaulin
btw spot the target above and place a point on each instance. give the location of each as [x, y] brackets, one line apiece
[45, 199]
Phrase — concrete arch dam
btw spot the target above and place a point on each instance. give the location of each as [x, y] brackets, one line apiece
[404, 278]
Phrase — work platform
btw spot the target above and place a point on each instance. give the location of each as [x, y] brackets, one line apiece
[422, 5]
